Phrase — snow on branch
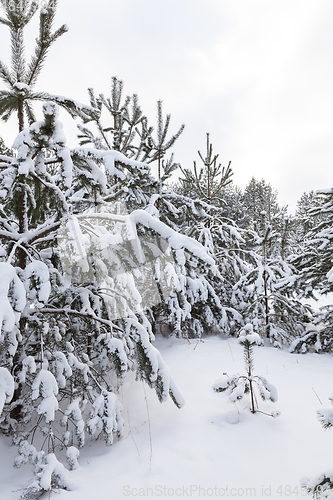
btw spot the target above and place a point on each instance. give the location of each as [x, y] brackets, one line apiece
[12, 297]
[75, 108]
[176, 240]
[45, 385]
[6, 387]
[106, 416]
[109, 158]
[153, 369]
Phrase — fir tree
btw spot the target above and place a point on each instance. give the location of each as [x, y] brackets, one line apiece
[322, 485]
[207, 182]
[267, 297]
[204, 220]
[77, 273]
[126, 131]
[234, 208]
[187, 311]
[126, 117]
[63, 328]
[130, 134]
[304, 217]
[260, 198]
[314, 263]
[22, 76]
[239, 385]
[261, 209]
[161, 144]
[72, 315]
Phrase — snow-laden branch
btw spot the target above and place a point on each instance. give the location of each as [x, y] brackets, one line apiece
[176, 240]
[72, 312]
[6, 387]
[109, 158]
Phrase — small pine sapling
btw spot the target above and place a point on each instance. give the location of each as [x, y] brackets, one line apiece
[322, 486]
[326, 416]
[239, 385]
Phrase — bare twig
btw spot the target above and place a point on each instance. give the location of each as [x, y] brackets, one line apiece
[231, 351]
[149, 427]
[317, 396]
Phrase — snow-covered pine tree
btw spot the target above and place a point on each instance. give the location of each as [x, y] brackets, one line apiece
[234, 208]
[195, 306]
[22, 77]
[266, 293]
[304, 219]
[72, 320]
[204, 220]
[261, 207]
[259, 197]
[72, 313]
[177, 312]
[161, 144]
[207, 182]
[130, 134]
[321, 486]
[314, 263]
[239, 385]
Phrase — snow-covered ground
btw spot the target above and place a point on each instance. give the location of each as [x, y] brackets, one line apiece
[211, 448]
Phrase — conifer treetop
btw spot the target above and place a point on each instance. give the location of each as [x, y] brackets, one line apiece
[208, 181]
[22, 75]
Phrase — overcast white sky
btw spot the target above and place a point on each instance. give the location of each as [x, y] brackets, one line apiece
[256, 74]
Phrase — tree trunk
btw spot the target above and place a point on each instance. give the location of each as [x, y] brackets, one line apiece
[20, 114]
[249, 376]
[16, 413]
[22, 209]
[267, 322]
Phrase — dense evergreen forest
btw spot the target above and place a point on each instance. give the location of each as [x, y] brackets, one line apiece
[98, 256]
